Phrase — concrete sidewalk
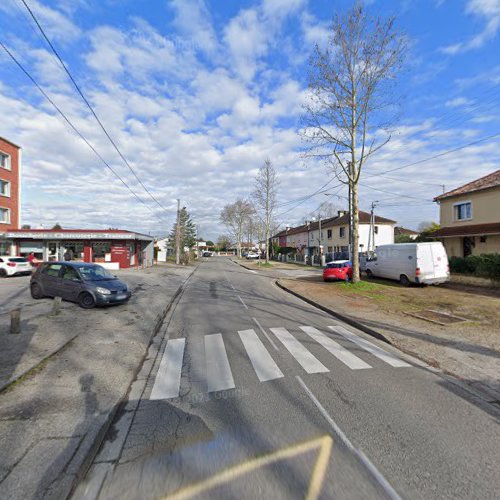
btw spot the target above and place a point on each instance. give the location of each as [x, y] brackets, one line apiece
[78, 368]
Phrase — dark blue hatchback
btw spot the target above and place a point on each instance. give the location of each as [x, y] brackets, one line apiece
[89, 285]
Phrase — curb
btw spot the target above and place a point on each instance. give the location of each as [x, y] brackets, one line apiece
[346, 319]
[109, 419]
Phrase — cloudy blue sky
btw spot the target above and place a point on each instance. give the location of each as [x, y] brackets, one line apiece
[198, 93]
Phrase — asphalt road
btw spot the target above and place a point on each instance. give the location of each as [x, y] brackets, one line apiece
[255, 394]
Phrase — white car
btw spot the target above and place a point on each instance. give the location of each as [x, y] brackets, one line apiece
[9, 266]
[252, 255]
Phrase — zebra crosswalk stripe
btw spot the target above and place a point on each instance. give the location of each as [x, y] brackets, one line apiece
[371, 348]
[262, 362]
[168, 379]
[342, 354]
[308, 361]
[219, 376]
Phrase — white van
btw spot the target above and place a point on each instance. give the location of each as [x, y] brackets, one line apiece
[425, 263]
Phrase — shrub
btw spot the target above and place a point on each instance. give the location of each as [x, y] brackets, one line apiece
[485, 265]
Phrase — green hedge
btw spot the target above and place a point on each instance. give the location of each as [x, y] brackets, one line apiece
[485, 266]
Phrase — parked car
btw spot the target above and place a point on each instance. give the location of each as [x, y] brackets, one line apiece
[207, 254]
[10, 266]
[252, 255]
[87, 284]
[425, 263]
[338, 270]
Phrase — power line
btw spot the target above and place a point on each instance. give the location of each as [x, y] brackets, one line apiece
[90, 106]
[397, 194]
[68, 121]
[444, 153]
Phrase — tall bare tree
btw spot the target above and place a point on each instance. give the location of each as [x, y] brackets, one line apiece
[264, 196]
[234, 216]
[351, 107]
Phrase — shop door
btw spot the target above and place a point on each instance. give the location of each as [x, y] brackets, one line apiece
[53, 250]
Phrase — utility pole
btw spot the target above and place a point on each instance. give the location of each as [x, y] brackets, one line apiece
[178, 234]
[350, 215]
[371, 233]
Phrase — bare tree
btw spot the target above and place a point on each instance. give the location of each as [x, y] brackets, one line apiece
[264, 196]
[223, 242]
[234, 216]
[350, 106]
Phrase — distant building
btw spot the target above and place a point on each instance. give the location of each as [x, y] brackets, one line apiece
[470, 217]
[403, 231]
[334, 235]
[10, 189]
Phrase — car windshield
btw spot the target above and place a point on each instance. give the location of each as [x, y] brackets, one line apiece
[95, 273]
[18, 259]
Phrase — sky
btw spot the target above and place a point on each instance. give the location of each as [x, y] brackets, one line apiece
[196, 94]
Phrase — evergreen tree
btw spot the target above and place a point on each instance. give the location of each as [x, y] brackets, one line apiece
[187, 229]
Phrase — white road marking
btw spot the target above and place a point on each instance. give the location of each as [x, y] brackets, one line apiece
[246, 307]
[336, 349]
[262, 362]
[372, 348]
[252, 271]
[219, 376]
[168, 378]
[271, 341]
[309, 362]
[381, 480]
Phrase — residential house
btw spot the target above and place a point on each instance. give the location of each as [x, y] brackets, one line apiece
[403, 231]
[335, 233]
[470, 217]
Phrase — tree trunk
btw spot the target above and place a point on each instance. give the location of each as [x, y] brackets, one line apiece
[267, 245]
[355, 234]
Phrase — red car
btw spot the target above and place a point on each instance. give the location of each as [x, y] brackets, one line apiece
[338, 270]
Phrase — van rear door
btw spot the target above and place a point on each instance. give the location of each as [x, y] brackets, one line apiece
[440, 260]
[425, 261]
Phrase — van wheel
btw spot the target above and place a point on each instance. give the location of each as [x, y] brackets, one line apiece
[369, 274]
[403, 279]
[3, 273]
[86, 301]
[36, 291]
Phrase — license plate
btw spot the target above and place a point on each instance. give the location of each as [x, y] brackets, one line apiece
[121, 296]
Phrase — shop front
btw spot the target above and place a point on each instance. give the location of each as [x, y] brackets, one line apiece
[113, 249]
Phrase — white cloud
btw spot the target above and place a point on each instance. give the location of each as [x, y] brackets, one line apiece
[489, 10]
[458, 102]
[193, 20]
[247, 40]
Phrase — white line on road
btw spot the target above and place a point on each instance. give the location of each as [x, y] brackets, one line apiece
[219, 376]
[381, 480]
[262, 362]
[308, 361]
[252, 271]
[372, 348]
[336, 349]
[168, 378]
[246, 307]
[266, 335]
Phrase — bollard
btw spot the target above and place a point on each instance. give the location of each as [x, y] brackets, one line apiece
[15, 321]
[56, 306]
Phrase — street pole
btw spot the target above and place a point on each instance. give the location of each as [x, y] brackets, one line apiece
[350, 219]
[178, 234]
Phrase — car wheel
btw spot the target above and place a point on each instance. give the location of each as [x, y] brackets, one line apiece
[403, 279]
[3, 273]
[36, 291]
[86, 301]
[369, 274]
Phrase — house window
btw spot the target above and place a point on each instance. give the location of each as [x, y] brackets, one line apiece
[463, 211]
[4, 188]
[342, 232]
[482, 239]
[376, 229]
[4, 160]
[4, 216]
[329, 233]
